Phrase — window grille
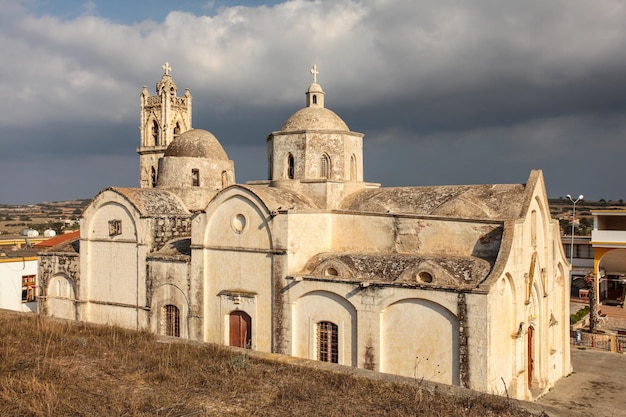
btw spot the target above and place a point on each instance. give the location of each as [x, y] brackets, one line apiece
[324, 166]
[327, 342]
[172, 320]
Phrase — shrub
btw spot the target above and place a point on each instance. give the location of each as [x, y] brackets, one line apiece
[577, 316]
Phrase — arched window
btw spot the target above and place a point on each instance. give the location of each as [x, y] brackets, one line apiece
[224, 179]
[177, 129]
[155, 132]
[153, 177]
[314, 99]
[172, 320]
[290, 166]
[324, 166]
[327, 342]
[353, 168]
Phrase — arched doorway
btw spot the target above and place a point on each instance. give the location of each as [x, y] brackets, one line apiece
[531, 334]
[240, 329]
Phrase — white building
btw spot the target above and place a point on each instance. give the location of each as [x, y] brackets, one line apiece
[18, 277]
[465, 285]
[608, 238]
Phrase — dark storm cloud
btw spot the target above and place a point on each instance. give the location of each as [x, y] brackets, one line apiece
[445, 92]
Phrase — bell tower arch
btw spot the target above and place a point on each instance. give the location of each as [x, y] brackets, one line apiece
[163, 117]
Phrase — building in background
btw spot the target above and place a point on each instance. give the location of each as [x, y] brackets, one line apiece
[18, 275]
[582, 262]
[19, 266]
[609, 245]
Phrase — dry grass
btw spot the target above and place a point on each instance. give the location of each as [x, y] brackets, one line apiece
[54, 368]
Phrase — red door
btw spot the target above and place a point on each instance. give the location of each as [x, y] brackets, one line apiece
[240, 329]
[531, 332]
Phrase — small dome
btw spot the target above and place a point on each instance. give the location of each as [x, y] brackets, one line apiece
[314, 118]
[315, 88]
[197, 143]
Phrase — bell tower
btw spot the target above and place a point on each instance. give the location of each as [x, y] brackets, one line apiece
[164, 116]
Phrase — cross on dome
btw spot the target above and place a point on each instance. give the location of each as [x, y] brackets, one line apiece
[314, 71]
[166, 67]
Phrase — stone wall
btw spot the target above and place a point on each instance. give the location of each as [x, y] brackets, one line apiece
[52, 264]
[170, 227]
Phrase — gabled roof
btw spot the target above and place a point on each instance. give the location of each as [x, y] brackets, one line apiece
[152, 202]
[488, 202]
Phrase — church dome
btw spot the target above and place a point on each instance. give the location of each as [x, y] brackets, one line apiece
[314, 118]
[197, 143]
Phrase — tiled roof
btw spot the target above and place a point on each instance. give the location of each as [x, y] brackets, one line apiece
[58, 239]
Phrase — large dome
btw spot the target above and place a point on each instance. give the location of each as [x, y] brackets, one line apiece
[314, 118]
[197, 143]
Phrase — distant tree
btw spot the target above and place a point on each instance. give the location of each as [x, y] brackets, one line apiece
[602, 202]
[25, 218]
[586, 224]
[77, 211]
[57, 227]
[8, 218]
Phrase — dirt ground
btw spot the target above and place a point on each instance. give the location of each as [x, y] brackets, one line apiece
[597, 387]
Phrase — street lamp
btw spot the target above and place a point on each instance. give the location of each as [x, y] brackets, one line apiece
[571, 247]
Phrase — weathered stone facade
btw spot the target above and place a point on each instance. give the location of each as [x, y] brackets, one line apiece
[59, 282]
[464, 285]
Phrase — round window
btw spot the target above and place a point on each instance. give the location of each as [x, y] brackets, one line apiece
[424, 276]
[238, 223]
[331, 272]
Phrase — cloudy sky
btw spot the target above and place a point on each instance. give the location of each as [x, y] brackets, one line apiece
[446, 92]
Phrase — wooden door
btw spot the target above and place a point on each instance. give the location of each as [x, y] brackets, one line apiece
[240, 329]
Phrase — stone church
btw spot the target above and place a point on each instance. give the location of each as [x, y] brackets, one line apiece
[459, 284]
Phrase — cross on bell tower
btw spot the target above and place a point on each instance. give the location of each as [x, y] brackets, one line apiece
[315, 94]
[166, 67]
[314, 71]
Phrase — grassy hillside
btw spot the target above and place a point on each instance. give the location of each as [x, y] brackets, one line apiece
[54, 368]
